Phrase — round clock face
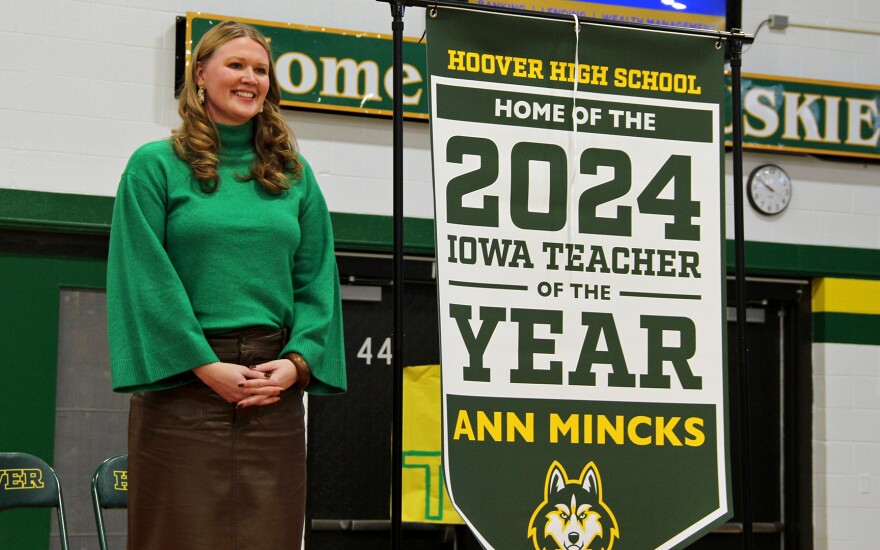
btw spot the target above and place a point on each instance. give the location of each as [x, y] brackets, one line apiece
[769, 189]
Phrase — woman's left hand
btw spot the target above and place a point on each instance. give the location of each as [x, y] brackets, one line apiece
[279, 372]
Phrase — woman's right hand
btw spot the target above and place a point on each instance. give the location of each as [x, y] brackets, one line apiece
[227, 380]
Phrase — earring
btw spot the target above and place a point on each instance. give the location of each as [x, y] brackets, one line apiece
[201, 94]
[261, 108]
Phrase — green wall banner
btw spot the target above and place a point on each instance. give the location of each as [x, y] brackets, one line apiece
[809, 116]
[579, 205]
[332, 69]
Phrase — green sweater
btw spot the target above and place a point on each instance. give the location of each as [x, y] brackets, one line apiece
[184, 263]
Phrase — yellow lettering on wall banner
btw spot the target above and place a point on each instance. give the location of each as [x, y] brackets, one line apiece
[587, 429]
[656, 81]
[486, 63]
[639, 430]
[596, 75]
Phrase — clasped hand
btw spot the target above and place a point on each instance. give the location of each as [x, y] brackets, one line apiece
[245, 386]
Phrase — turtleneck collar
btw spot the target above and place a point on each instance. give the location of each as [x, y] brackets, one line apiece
[236, 141]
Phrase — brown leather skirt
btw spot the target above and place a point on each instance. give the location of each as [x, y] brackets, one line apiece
[205, 475]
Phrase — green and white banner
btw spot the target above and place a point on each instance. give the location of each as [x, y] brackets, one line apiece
[579, 221]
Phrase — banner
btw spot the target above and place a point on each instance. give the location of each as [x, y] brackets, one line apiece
[424, 498]
[808, 116]
[579, 206]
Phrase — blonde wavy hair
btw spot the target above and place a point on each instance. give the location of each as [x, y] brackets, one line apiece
[197, 141]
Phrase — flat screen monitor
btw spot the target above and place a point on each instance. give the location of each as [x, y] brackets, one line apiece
[694, 14]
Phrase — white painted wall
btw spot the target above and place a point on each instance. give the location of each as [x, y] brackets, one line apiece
[846, 446]
[835, 204]
[87, 81]
[810, 53]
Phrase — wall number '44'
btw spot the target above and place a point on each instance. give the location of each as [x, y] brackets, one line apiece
[681, 208]
[366, 351]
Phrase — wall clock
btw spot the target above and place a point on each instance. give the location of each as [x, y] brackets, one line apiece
[769, 189]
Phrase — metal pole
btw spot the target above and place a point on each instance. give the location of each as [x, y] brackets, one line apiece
[397, 9]
[736, 43]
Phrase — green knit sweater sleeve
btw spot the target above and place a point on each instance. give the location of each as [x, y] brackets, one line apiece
[155, 339]
[317, 309]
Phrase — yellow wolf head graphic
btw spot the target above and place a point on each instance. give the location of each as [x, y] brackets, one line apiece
[574, 515]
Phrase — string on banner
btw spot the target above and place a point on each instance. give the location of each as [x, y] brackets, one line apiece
[573, 137]
[577, 39]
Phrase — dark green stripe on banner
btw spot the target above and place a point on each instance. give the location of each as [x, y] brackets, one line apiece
[488, 285]
[846, 328]
[660, 295]
[470, 104]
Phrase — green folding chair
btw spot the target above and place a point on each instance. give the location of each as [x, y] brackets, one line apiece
[26, 481]
[109, 490]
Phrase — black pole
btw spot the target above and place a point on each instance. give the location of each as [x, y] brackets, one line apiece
[736, 43]
[397, 9]
[734, 14]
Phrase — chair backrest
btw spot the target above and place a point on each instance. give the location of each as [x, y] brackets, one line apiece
[109, 490]
[26, 481]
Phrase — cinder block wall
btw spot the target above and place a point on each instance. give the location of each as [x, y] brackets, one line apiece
[87, 81]
[835, 204]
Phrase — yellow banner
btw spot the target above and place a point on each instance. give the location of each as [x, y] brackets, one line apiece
[424, 498]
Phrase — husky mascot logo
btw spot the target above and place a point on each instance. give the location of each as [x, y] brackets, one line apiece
[573, 515]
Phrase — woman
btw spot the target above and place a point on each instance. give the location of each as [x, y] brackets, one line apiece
[223, 306]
